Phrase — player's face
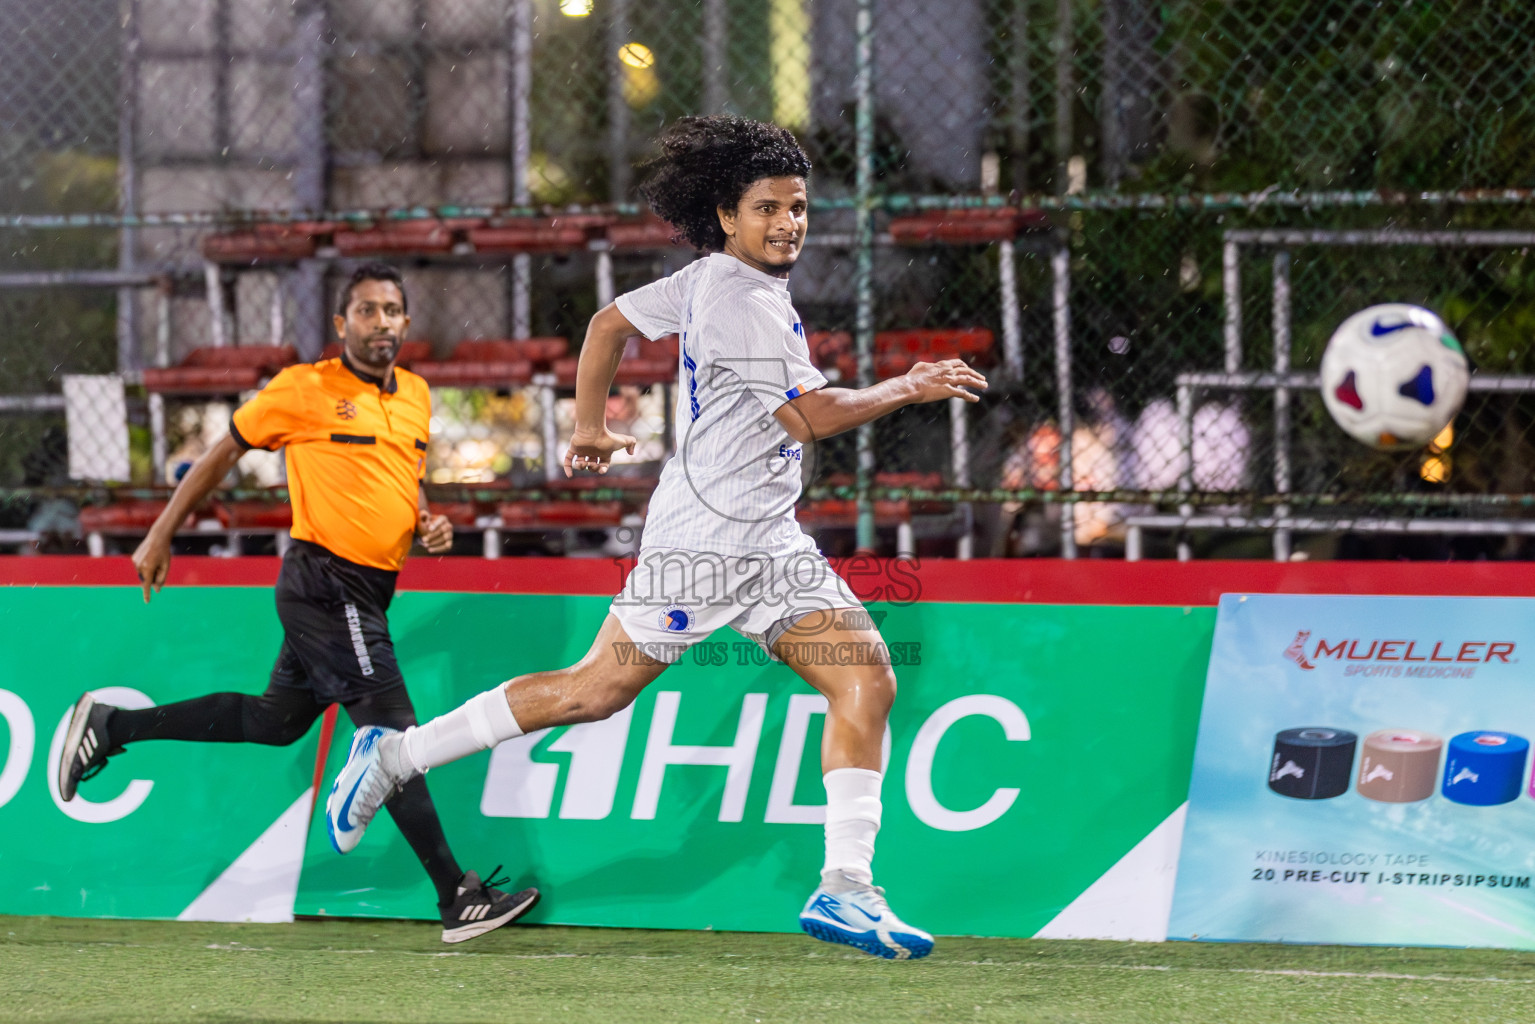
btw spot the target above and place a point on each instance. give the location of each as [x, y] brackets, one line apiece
[374, 325]
[767, 228]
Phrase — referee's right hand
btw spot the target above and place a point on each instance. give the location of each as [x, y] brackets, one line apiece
[152, 561]
[592, 450]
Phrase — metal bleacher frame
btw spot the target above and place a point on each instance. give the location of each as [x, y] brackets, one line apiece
[1010, 228]
[274, 246]
[1282, 380]
[465, 242]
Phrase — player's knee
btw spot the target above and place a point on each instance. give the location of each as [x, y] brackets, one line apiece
[868, 692]
[269, 725]
[882, 685]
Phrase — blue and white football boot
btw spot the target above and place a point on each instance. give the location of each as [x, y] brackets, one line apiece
[857, 915]
[362, 786]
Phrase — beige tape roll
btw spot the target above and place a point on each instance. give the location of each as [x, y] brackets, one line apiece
[1399, 766]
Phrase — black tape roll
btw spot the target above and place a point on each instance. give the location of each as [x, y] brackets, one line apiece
[1315, 763]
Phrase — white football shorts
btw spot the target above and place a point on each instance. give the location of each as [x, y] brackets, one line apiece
[672, 599]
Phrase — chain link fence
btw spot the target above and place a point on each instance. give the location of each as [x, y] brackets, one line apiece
[1108, 169]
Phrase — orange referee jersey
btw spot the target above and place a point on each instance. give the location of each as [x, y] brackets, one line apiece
[356, 450]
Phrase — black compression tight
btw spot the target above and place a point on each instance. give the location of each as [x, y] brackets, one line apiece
[282, 716]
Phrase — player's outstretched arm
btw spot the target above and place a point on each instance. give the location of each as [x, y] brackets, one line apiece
[827, 412]
[592, 445]
[152, 558]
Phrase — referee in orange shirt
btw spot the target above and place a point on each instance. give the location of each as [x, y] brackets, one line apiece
[355, 431]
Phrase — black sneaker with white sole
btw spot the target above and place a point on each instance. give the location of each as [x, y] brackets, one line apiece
[480, 907]
[86, 745]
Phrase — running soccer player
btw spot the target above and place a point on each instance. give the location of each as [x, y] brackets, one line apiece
[721, 546]
[355, 431]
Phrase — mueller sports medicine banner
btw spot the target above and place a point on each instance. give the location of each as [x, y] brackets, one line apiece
[1363, 774]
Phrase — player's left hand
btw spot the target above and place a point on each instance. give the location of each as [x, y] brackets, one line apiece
[947, 378]
[436, 532]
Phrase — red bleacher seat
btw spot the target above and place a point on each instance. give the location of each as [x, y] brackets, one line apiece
[643, 372]
[632, 486]
[559, 514]
[538, 234]
[276, 243]
[827, 346]
[492, 364]
[943, 343]
[843, 512]
[410, 352]
[979, 226]
[652, 363]
[135, 516]
[220, 371]
[462, 514]
[402, 237]
[896, 352]
[255, 515]
[925, 481]
[648, 232]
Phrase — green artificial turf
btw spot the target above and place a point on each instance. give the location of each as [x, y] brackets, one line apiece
[122, 972]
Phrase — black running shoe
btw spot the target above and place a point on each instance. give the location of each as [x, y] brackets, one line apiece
[86, 745]
[480, 907]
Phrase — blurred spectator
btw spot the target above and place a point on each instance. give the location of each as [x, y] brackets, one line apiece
[1222, 443]
[201, 425]
[1099, 453]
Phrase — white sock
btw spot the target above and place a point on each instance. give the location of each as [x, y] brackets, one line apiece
[852, 822]
[477, 724]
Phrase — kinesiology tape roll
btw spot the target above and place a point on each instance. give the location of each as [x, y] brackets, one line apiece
[1399, 766]
[1485, 768]
[1313, 763]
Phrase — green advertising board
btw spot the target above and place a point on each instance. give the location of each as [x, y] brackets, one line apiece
[165, 820]
[1031, 747]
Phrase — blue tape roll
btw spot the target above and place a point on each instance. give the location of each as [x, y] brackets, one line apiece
[1485, 768]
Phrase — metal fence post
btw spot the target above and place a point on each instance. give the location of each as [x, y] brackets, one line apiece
[715, 57]
[1231, 295]
[618, 106]
[1065, 93]
[156, 400]
[1018, 122]
[128, 186]
[863, 244]
[1060, 269]
[1185, 404]
[312, 153]
[1111, 126]
[521, 152]
[1012, 314]
[1282, 536]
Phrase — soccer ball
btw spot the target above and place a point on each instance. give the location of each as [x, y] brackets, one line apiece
[1393, 376]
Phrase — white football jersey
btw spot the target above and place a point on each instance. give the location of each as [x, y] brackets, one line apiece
[732, 485]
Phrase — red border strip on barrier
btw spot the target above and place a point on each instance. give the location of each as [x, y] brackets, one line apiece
[1016, 581]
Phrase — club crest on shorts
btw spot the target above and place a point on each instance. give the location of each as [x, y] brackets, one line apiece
[675, 618]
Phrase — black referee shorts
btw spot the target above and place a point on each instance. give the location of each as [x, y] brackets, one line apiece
[336, 640]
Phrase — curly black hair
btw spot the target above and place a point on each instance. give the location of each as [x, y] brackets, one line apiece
[710, 162]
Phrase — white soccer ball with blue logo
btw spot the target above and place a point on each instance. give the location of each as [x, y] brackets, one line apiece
[1393, 376]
